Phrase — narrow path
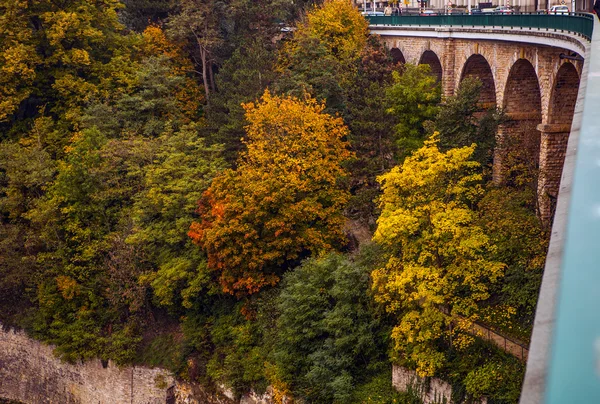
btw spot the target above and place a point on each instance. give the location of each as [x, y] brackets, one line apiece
[507, 344]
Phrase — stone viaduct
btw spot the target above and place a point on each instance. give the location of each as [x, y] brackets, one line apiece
[524, 73]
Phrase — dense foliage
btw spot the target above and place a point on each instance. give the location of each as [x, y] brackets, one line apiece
[439, 255]
[282, 201]
[186, 184]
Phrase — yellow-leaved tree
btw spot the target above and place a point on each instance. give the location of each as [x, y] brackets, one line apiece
[321, 59]
[284, 199]
[438, 268]
[339, 26]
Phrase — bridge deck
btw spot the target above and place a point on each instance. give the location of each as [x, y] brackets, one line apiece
[577, 23]
[574, 358]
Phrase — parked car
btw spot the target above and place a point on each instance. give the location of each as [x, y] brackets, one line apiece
[503, 10]
[428, 13]
[373, 13]
[475, 11]
[559, 10]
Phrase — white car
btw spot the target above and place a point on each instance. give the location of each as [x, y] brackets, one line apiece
[373, 13]
[559, 10]
[503, 10]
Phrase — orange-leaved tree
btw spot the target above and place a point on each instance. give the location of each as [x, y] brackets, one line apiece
[189, 94]
[284, 199]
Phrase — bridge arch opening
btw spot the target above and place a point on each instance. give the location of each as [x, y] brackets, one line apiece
[564, 95]
[430, 58]
[555, 136]
[477, 66]
[397, 56]
[517, 156]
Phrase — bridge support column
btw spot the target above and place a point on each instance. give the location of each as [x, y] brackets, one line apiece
[517, 152]
[448, 67]
[553, 148]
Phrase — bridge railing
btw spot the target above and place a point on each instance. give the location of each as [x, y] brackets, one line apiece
[576, 23]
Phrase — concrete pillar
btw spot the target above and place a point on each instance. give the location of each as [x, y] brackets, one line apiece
[553, 147]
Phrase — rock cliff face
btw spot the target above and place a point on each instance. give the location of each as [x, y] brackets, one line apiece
[31, 374]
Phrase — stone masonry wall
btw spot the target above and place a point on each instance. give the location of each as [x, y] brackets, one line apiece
[30, 373]
[431, 391]
[438, 391]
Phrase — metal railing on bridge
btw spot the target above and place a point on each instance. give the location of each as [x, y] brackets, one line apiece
[576, 23]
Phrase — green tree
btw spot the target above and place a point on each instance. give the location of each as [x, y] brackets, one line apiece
[196, 22]
[311, 69]
[521, 242]
[181, 169]
[371, 128]
[439, 266]
[88, 296]
[321, 57]
[26, 170]
[461, 122]
[282, 201]
[242, 78]
[327, 330]
[138, 14]
[413, 99]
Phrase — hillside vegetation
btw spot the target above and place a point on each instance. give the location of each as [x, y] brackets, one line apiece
[184, 184]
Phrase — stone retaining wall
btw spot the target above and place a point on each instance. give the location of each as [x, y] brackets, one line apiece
[30, 373]
[433, 392]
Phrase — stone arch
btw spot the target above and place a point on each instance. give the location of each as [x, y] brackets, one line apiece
[397, 56]
[517, 155]
[564, 95]
[477, 66]
[430, 58]
[554, 137]
[522, 94]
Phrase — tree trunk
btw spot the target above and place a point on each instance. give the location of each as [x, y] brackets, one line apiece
[212, 78]
[204, 75]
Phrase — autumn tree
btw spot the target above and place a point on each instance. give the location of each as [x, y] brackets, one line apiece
[284, 199]
[18, 56]
[439, 269]
[321, 57]
[339, 26]
[58, 55]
